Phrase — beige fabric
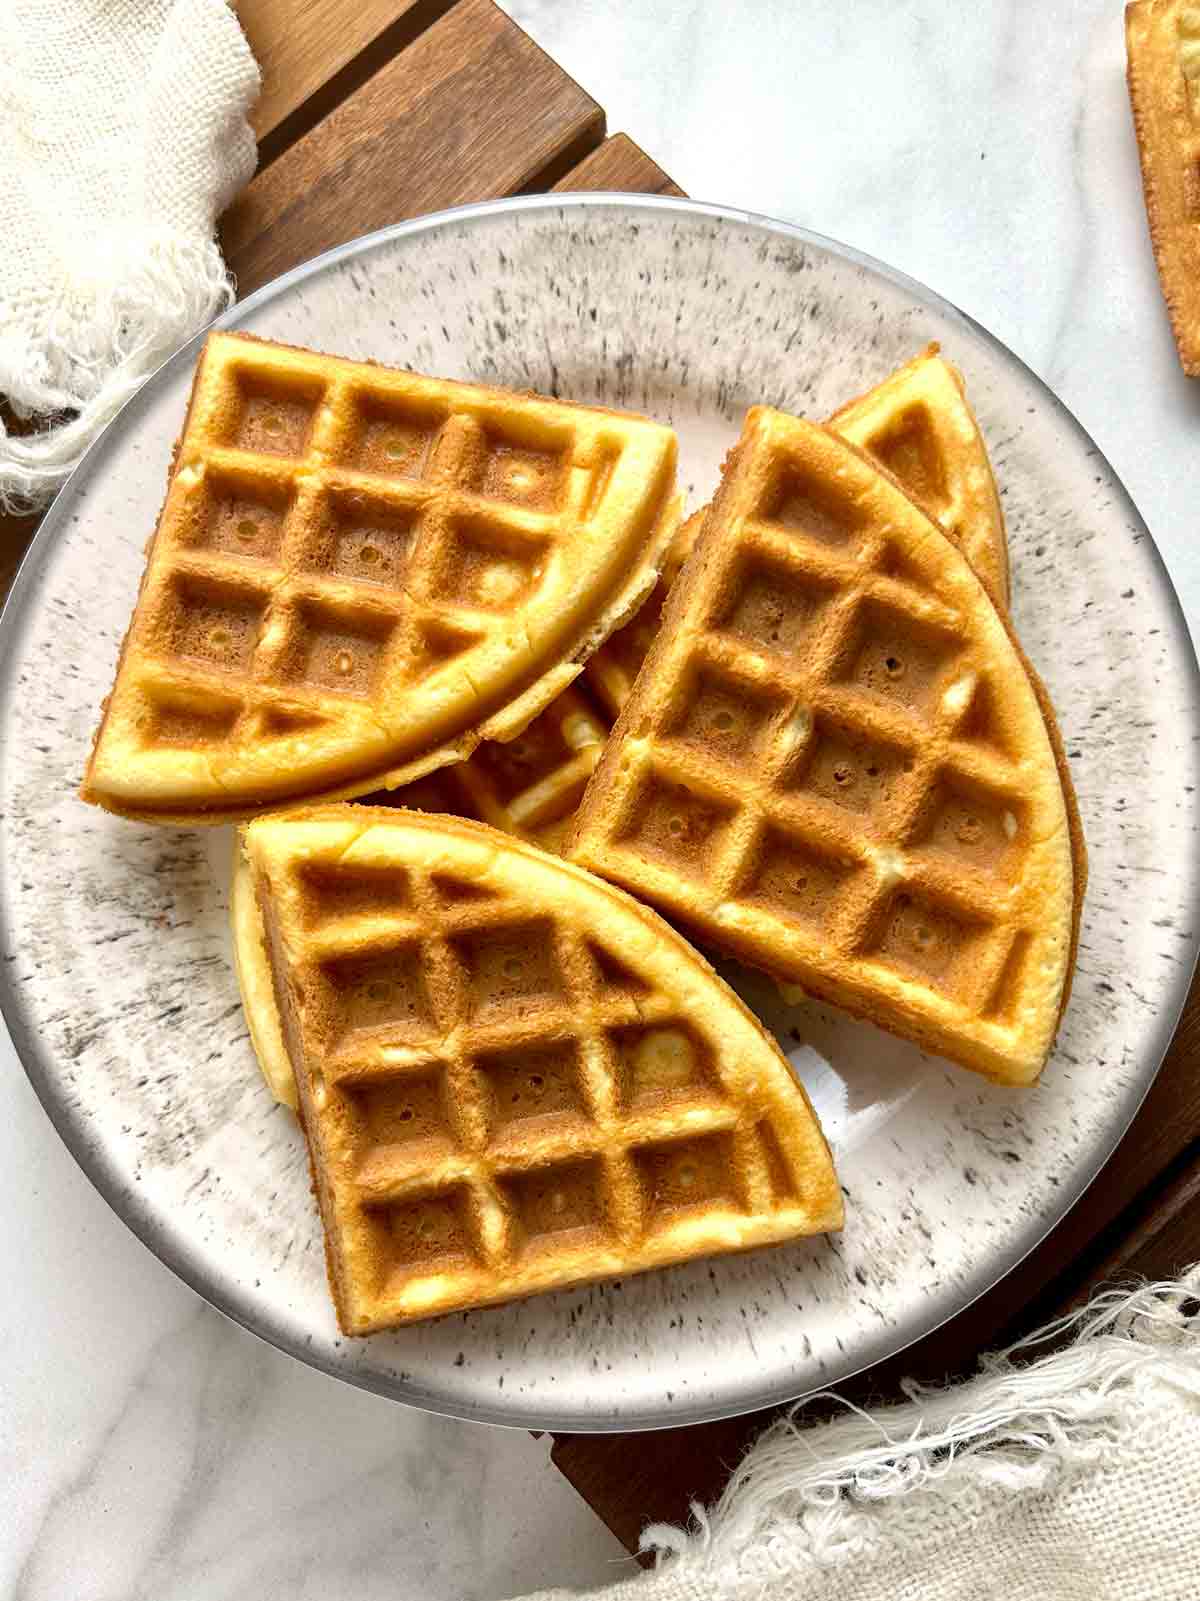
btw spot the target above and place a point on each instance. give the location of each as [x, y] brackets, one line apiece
[1073, 1478]
[125, 134]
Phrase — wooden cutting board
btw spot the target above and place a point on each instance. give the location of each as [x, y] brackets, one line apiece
[377, 110]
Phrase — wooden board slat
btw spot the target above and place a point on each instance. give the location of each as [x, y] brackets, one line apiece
[1134, 1219]
[662, 1473]
[15, 532]
[15, 536]
[619, 164]
[1162, 1241]
[471, 111]
[300, 45]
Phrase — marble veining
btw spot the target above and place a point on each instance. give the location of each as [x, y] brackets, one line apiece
[963, 151]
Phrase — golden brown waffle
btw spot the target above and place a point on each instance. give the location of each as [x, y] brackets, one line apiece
[255, 984]
[611, 672]
[918, 424]
[359, 574]
[836, 765]
[1162, 40]
[513, 1077]
[531, 785]
[528, 786]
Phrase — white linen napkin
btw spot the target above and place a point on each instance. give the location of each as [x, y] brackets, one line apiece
[1075, 1477]
[125, 135]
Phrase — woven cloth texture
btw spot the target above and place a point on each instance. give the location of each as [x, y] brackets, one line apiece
[1073, 1476]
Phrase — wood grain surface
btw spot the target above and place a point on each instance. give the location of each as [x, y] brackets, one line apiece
[304, 46]
[1163, 1237]
[473, 109]
[619, 165]
[16, 533]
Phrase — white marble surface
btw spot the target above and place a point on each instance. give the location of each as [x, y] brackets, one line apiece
[148, 1449]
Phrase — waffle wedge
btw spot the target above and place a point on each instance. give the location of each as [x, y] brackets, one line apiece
[528, 786]
[1162, 39]
[837, 764]
[360, 574]
[919, 425]
[511, 1076]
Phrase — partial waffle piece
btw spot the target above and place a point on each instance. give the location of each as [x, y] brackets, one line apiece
[359, 574]
[531, 785]
[511, 1076]
[611, 672]
[836, 764]
[1162, 39]
[255, 982]
[918, 424]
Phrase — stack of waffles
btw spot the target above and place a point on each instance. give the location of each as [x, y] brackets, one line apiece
[799, 724]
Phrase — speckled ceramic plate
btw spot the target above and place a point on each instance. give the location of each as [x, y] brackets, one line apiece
[117, 982]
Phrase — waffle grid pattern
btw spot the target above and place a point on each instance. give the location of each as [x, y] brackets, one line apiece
[506, 1176]
[324, 519]
[1163, 43]
[815, 763]
[531, 785]
[336, 535]
[500, 1103]
[916, 422]
[528, 786]
[918, 425]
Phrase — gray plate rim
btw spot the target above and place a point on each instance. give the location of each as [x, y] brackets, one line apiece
[29, 1048]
